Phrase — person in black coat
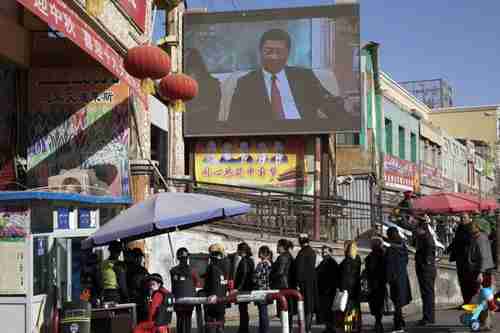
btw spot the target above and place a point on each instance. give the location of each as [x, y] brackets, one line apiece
[425, 267]
[375, 272]
[282, 276]
[328, 275]
[458, 250]
[305, 275]
[396, 258]
[350, 275]
[243, 282]
[215, 287]
[136, 273]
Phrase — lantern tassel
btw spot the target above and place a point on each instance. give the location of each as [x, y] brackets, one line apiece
[179, 106]
[94, 7]
[148, 86]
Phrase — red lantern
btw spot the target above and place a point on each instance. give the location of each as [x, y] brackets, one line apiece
[178, 87]
[147, 61]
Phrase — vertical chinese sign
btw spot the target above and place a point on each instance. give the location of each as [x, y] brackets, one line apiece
[271, 164]
[79, 120]
[14, 222]
[136, 10]
[400, 174]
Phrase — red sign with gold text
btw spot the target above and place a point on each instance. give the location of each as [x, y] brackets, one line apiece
[136, 9]
[63, 19]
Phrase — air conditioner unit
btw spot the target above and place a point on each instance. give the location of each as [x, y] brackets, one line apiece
[73, 181]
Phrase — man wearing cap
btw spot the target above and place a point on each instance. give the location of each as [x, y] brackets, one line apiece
[184, 282]
[136, 273]
[215, 288]
[305, 264]
[112, 277]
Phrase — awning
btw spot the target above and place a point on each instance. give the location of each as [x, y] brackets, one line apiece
[159, 113]
[63, 19]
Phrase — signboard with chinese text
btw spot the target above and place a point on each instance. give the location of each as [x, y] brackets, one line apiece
[79, 121]
[63, 19]
[401, 175]
[14, 223]
[136, 9]
[272, 164]
[431, 176]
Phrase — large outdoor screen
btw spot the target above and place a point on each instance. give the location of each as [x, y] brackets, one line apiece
[283, 71]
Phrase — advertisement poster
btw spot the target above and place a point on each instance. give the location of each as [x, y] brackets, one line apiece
[271, 164]
[78, 127]
[401, 175]
[13, 230]
[275, 71]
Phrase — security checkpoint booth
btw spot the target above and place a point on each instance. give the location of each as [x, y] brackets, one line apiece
[41, 253]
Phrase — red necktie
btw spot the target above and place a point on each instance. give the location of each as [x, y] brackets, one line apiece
[276, 104]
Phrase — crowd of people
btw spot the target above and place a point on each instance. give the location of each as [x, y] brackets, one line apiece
[383, 276]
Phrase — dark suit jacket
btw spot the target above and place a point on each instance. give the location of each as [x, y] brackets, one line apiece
[251, 103]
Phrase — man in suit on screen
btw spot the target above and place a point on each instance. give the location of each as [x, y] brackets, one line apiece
[277, 91]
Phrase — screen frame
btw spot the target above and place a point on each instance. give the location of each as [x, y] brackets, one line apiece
[330, 11]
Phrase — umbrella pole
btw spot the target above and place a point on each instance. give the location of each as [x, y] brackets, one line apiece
[171, 246]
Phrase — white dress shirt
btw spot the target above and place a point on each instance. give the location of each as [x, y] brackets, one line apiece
[289, 107]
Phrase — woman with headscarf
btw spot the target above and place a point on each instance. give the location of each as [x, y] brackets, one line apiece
[375, 273]
[350, 278]
[396, 258]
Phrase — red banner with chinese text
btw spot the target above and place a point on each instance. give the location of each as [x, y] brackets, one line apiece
[63, 19]
[400, 174]
[136, 9]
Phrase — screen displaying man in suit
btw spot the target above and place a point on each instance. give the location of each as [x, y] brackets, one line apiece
[277, 91]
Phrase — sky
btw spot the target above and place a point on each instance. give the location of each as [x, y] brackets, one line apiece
[456, 40]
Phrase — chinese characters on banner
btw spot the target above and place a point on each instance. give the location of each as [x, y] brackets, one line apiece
[79, 120]
[401, 175]
[272, 164]
[136, 9]
[63, 19]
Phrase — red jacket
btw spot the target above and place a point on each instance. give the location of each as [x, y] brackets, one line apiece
[148, 326]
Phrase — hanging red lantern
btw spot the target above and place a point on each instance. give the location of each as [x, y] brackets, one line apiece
[147, 61]
[178, 87]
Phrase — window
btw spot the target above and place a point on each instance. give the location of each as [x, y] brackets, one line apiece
[348, 139]
[402, 152]
[388, 136]
[413, 143]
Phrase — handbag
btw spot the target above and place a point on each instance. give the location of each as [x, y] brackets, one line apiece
[340, 300]
[364, 295]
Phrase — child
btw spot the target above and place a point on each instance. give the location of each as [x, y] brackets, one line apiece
[158, 293]
[261, 281]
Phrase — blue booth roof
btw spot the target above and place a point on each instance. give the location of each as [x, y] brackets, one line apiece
[6, 196]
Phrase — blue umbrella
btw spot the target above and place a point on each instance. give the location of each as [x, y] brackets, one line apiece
[165, 212]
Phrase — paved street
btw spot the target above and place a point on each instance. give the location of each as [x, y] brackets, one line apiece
[447, 322]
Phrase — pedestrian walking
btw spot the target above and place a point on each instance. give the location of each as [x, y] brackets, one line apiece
[184, 282]
[155, 323]
[396, 258]
[282, 274]
[328, 275]
[458, 250]
[305, 275]
[375, 268]
[261, 281]
[215, 287]
[243, 282]
[136, 273]
[425, 267]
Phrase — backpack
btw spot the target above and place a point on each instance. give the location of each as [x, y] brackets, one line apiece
[163, 315]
